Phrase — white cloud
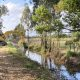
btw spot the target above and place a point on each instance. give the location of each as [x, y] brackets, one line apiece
[14, 15]
[10, 6]
[11, 20]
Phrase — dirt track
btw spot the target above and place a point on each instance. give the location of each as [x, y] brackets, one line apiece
[12, 69]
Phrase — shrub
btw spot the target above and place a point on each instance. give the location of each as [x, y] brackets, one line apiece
[35, 47]
[68, 42]
[25, 45]
[78, 54]
[71, 54]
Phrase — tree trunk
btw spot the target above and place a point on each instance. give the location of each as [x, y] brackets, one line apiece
[45, 47]
[42, 40]
[45, 42]
[50, 63]
[28, 40]
[58, 44]
[70, 47]
[74, 47]
[50, 43]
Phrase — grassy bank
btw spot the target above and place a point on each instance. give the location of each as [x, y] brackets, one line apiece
[32, 68]
[35, 69]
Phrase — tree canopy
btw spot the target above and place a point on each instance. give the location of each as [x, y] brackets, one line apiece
[42, 18]
[68, 5]
[26, 16]
[45, 2]
[3, 10]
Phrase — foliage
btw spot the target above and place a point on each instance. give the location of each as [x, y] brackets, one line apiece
[17, 33]
[21, 41]
[57, 25]
[69, 42]
[25, 45]
[19, 30]
[76, 36]
[42, 17]
[1, 38]
[35, 47]
[42, 27]
[3, 10]
[41, 14]
[45, 2]
[26, 16]
[68, 5]
[8, 33]
[72, 20]
[71, 54]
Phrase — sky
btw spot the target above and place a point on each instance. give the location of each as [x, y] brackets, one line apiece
[15, 8]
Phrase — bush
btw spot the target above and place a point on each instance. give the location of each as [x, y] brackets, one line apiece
[25, 45]
[71, 54]
[21, 41]
[10, 44]
[78, 54]
[35, 47]
[68, 42]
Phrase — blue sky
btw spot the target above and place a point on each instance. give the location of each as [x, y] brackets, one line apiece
[15, 8]
[16, 1]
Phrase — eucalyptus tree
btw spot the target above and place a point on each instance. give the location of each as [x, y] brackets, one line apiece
[26, 20]
[26, 15]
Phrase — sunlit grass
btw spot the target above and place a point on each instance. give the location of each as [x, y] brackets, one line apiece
[8, 49]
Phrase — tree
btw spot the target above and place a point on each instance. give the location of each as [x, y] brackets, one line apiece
[3, 11]
[19, 30]
[58, 26]
[73, 21]
[45, 2]
[68, 5]
[42, 17]
[26, 20]
[26, 15]
[73, 8]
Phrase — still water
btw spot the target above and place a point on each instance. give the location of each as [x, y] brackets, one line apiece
[70, 73]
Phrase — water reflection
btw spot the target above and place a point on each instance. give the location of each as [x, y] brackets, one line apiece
[69, 71]
[34, 56]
